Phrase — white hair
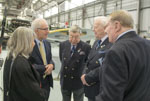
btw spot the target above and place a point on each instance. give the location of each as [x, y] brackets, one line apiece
[21, 42]
[37, 23]
[103, 20]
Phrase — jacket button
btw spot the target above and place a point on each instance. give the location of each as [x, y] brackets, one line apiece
[66, 67]
[72, 77]
[96, 62]
[64, 58]
[72, 68]
[77, 60]
[65, 76]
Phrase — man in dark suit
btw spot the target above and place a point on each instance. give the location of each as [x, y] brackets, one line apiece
[73, 55]
[126, 68]
[41, 55]
[90, 77]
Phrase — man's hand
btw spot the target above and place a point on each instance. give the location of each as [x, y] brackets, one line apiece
[83, 80]
[49, 69]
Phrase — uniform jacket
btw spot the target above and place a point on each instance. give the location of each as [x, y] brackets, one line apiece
[24, 83]
[72, 66]
[126, 70]
[94, 62]
[37, 61]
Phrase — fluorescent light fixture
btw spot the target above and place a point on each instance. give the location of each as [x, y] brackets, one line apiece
[1, 17]
[44, 1]
[34, 1]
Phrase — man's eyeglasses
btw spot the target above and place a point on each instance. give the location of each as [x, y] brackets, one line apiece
[76, 37]
[46, 29]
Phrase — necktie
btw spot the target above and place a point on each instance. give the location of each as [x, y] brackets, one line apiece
[42, 52]
[98, 44]
[73, 50]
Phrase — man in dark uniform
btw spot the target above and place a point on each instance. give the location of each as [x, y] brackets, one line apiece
[126, 69]
[90, 77]
[73, 55]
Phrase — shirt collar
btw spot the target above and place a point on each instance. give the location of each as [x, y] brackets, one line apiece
[38, 41]
[73, 45]
[104, 38]
[124, 33]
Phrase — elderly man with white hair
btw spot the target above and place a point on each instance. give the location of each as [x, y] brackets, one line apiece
[41, 56]
[90, 77]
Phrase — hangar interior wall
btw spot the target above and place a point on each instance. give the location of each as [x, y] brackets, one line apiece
[84, 15]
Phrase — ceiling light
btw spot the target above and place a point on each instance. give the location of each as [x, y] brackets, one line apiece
[34, 1]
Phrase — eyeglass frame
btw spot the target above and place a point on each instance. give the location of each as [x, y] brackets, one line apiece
[45, 29]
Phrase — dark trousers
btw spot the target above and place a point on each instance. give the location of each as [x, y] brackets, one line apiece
[47, 92]
[78, 95]
[91, 99]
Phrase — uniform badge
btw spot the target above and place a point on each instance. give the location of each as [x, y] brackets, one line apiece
[102, 46]
[96, 62]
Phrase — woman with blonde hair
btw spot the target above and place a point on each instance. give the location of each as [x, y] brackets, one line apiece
[21, 80]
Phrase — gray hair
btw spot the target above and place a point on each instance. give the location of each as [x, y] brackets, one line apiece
[20, 43]
[103, 20]
[37, 23]
[75, 28]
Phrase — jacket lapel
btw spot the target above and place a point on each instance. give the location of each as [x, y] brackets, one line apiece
[36, 49]
[68, 50]
[102, 47]
[93, 51]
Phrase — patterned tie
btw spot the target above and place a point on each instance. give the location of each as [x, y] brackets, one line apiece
[98, 44]
[42, 52]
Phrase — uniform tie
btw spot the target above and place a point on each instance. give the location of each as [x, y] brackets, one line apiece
[42, 52]
[73, 49]
[98, 44]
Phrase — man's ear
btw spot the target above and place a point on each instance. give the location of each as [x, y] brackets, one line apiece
[117, 26]
[36, 30]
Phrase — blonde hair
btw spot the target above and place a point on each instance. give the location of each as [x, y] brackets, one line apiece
[75, 29]
[123, 17]
[21, 42]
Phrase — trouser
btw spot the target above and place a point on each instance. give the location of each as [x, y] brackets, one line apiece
[78, 95]
[91, 99]
[47, 92]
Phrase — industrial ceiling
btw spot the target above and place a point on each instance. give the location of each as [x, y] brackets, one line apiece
[15, 7]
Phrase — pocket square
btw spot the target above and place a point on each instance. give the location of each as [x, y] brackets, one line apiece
[82, 53]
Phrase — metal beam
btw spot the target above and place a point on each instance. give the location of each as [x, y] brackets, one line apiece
[138, 16]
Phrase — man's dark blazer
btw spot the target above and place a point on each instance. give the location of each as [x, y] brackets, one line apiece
[126, 70]
[91, 70]
[72, 66]
[39, 65]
